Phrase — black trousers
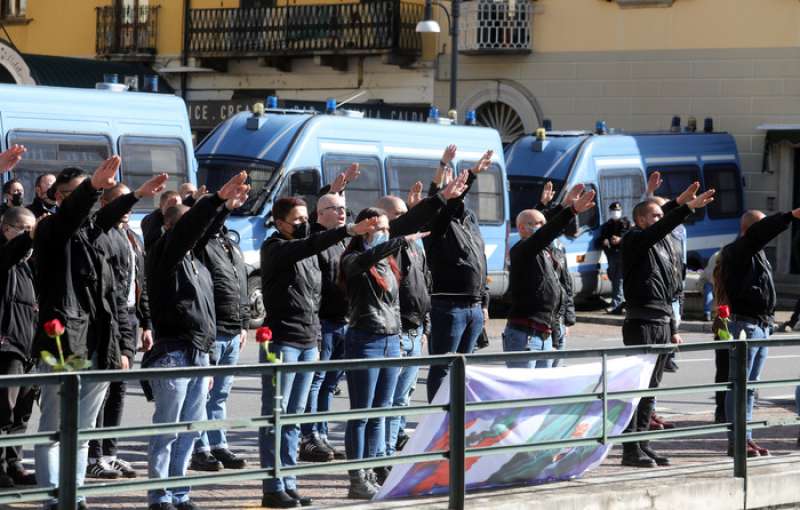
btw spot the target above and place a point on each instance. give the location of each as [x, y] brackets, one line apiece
[638, 332]
[16, 405]
[110, 414]
[722, 362]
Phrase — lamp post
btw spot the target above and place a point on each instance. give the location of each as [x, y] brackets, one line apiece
[430, 26]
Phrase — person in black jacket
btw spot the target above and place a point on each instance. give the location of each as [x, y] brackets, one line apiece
[537, 295]
[126, 260]
[18, 317]
[182, 303]
[610, 240]
[746, 279]
[153, 223]
[75, 284]
[292, 287]
[650, 281]
[225, 261]
[13, 195]
[457, 260]
[43, 203]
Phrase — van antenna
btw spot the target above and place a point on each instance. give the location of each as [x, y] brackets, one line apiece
[355, 96]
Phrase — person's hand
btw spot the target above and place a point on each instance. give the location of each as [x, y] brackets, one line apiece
[242, 339]
[572, 195]
[676, 339]
[352, 173]
[653, 183]
[615, 240]
[124, 362]
[104, 176]
[147, 340]
[692, 199]
[239, 199]
[456, 187]
[233, 187]
[366, 226]
[10, 158]
[413, 238]
[447, 178]
[414, 195]
[449, 154]
[483, 163]
[547, 193]
[485, 316]
[349, 175]
[153, 185]
[199, 192]
[702, 199]
[796, 213]
[584, 202]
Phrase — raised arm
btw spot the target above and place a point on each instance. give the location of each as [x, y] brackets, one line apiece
[761, 233]
[13, 251]
[354, 264]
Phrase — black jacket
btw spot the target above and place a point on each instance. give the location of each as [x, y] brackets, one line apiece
[415, 298]
[651, 279]
[747, 273]
[612, 228]
[151, 228]
[225, 262]
[567, 311]
[456, 253]
[18, 308]
[180, 286]
[39, 208]
[292, 285]
[75, 282]
[372, 308]
[536, 291]
[333, 304]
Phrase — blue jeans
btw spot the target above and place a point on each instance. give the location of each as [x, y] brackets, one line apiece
[294, 395]
[455, 327]
[559, 341]
[176, 400]
[708, 297]
[226, 350]
[517, 340]
[91, 398]
[320, 397]
[410, 345]
[615, 276]
[370, 388]
[756, 357]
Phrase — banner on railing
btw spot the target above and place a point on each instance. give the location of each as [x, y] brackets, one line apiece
[527, 425]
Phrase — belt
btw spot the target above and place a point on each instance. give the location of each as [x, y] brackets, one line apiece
[530, 325]
[737, 317]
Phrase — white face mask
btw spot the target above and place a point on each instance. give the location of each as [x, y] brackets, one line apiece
[615, 215]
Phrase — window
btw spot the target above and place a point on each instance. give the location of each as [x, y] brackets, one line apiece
[13, 8]
[214, 173]
[485, 198]
[302, 183]
[675, 181]
[402, 173]
[726, 180]
[143, 157]
[52, 152]
[367, 189]
[625, 186]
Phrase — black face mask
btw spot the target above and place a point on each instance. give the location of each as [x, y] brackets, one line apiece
[300, 231]
[16, 199]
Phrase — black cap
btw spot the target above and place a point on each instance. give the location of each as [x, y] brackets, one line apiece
[63, 177]
[615, 206]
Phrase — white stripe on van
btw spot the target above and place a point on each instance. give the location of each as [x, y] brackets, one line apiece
[719, 157]
[411, 151]
[349, 147]
[676, 159]
[617, 162]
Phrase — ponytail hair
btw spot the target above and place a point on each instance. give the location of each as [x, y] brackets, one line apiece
[357, 244]
[720, 276]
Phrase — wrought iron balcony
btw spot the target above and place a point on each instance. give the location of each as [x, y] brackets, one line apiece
[496, 26]
[382, 26]
[127, 33]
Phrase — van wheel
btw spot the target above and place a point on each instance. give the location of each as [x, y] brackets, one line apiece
[257, 311]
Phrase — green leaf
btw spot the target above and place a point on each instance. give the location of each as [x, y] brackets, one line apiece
[75, 363]
[724, 334]
[49, 358]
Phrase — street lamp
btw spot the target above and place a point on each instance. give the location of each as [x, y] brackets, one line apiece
[430, 26]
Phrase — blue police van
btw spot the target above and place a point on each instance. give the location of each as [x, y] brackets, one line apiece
[64, 127]
[617, 166]
[296, 152]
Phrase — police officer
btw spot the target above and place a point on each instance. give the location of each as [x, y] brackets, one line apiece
[610, 241]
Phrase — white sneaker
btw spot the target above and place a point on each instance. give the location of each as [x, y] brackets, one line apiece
[99, 468]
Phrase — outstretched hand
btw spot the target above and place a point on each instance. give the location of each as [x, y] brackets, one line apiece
[366, 226]
[572, 195]
[547, 193]
[414, 195]
[412, 238]
[10, 158]
[104, 176]
[351, 174]
[239, 199]
[653, 183]
[153, 185]
[233, 187]
[584, 202]
[483, 163]
[702, 199]
[456, 187]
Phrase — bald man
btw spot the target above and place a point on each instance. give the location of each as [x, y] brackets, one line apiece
[536, 292]
[746, 278]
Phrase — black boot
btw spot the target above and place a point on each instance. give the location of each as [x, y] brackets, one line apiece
[278, 500]
[659, 459]
[633, 456]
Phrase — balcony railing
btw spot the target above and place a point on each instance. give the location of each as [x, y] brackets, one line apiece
[127, 32]
[496, 26]
[383, 26]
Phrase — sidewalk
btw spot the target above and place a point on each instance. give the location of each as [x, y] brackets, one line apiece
[687, 326]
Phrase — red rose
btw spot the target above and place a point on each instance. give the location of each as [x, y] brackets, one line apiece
[53, 328]
[724, 311]
[263, 335]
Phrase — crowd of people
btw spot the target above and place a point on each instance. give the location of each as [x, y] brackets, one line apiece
[406, 275]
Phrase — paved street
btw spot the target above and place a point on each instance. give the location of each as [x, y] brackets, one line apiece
[695, 368]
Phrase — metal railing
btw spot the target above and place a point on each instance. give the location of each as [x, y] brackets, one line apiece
[69, 436]
[496, 26]
[304, 30]
[126, 31]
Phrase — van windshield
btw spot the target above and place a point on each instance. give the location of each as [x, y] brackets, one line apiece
[259, 174]
[524, 193]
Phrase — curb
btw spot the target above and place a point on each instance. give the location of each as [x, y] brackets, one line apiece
[617, 320]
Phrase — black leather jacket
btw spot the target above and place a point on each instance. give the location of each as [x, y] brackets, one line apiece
[18, 308]
[333, 304]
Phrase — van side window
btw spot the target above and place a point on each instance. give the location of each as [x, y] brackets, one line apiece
[675, 179]
[625, 186]
[143, 157]
[402, 173]
[303, 184]
[363, 192]
[52, 152]
[486, 196]
[725, 179]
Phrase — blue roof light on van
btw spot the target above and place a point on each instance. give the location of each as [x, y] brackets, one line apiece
[675, 127]
[708, 125]
[330, 105]
[272, 102]
[547, 124]
[433, 114]
[471, 119]
[600, 127]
